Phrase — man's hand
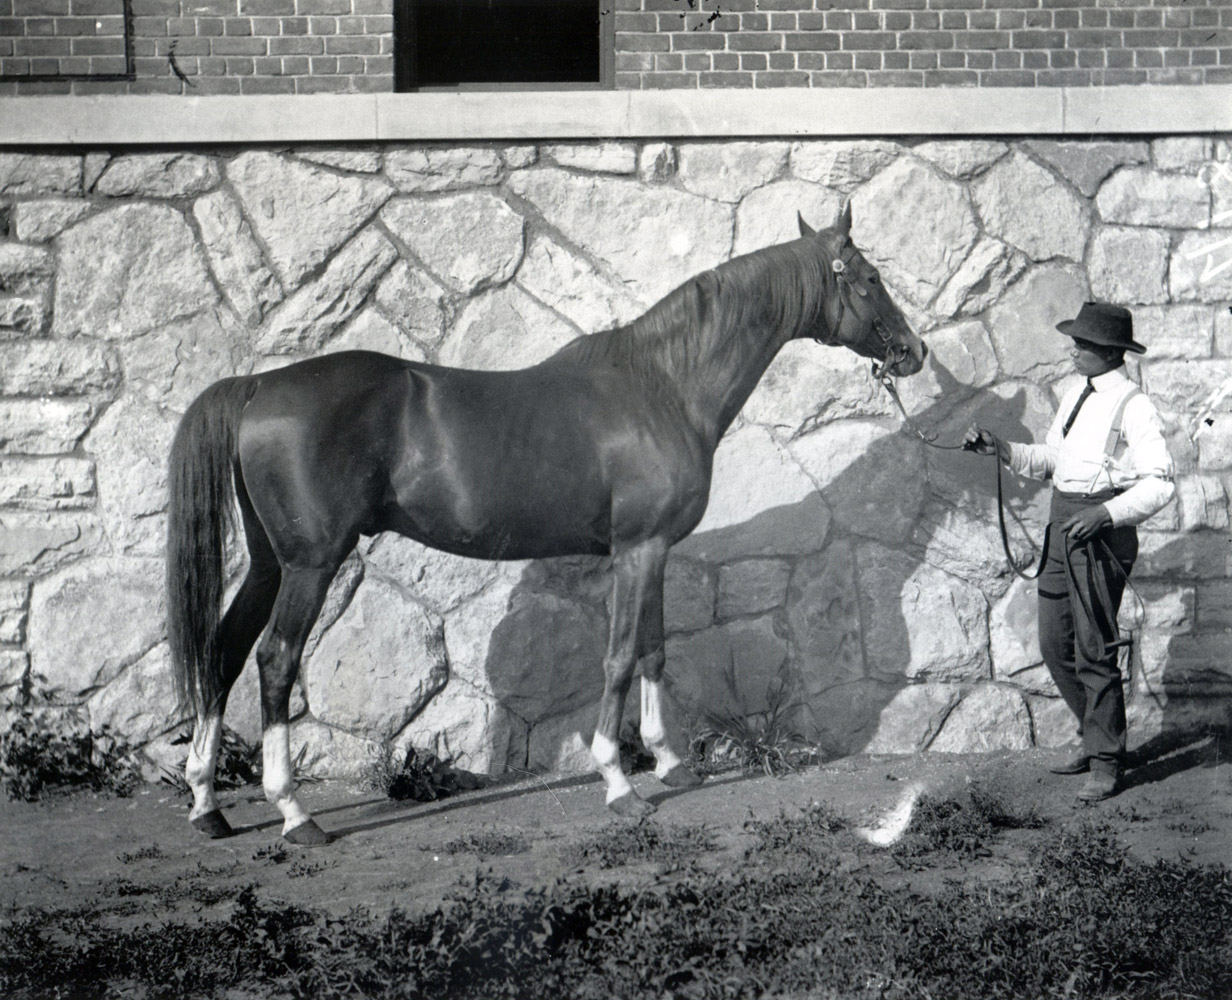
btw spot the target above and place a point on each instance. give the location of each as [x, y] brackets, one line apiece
[1087, 523]
[980, 441]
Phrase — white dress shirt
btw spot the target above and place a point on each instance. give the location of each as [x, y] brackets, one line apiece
[1140, 464]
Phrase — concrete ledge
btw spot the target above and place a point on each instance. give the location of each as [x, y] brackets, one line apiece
[124, 120]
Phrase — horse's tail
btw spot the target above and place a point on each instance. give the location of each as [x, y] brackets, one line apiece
[199, 485]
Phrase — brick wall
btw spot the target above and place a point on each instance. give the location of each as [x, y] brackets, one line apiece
[221, 46]
[912, 43]
[346, 46]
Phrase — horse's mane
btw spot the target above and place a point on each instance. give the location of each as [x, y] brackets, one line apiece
[779, 287]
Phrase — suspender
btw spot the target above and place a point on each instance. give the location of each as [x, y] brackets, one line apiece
[1114, 433]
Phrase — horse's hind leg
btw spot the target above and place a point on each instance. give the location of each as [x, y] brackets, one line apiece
[299, 602]
[240, 627]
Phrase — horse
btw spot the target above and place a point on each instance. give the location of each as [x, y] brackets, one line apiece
[605, 448]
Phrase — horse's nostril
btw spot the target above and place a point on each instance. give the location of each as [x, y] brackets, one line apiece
[923, 350]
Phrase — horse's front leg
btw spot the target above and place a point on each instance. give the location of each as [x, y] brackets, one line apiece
[669, 768]
[637, 589]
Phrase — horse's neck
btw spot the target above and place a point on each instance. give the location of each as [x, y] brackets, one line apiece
[726, 378]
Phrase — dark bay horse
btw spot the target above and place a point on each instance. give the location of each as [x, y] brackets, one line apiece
[605, 449]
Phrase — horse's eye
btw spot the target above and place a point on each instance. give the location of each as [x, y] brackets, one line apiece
[874, 279]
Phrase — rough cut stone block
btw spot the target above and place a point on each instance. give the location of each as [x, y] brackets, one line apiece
[1175, 331]
[981, 279]
[14, 667]
[988, 718]
[1177, 385]
[841, 165]
[1128, 265]
[48, 367]
[562, 745]
[929, 624]
[885, 225]
[1186, 556]
[158, 175]
[43, 427]
[961, 158]
[1213, 604]
[503, 330]
[1197, 271]
[912, 718]
[603, 157]
[131, 442]
[1021, 203]
[443, 582]
[699, 664]
[370, 331]
[688, 595]
[655, 238]
[472, 241]
[574, 288]
[1186, 665]
[727, 171]
[127, 271]
[1137, 196]
[31, 174]
[38, 543]
[859, 468]
[1023, 324]
[327, 751]
[24, 269]
[752, 586]
[823, 612]
[14, 603]
[40, 221]
[1172, 715]
[1181, 153]
[518, 157]
[414, 301]
[301, 212]
[1215, 445]
[46, 483]
[378, 665]
[1086, 164]
[657, 163]
[356, 161]
[1013, 629]
[250, 287]
[418, 170]
[1053, 723]
[1202, 502]
[21, 317]
[960, 357]
[139, 703]
[102, 590]
[761, 503]
[316, 311]
[769, 215]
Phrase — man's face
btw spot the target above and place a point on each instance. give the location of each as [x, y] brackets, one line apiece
[1094, 359]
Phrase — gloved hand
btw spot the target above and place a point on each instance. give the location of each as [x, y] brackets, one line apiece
[980, 441]
[1087, 523]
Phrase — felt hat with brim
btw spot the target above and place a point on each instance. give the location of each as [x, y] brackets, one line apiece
[1100, 323]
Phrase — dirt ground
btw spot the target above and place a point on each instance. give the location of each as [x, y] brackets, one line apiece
[131, 859]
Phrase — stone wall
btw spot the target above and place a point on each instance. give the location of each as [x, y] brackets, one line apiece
[838, 553]
[201, 47]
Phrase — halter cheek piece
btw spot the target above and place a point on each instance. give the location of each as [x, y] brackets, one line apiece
[891, 353]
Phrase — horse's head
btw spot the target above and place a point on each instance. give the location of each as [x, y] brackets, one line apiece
[860, 314]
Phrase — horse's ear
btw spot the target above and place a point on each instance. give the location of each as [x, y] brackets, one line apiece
[805, 228]
[844, 219]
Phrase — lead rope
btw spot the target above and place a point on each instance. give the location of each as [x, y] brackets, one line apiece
[881, 375]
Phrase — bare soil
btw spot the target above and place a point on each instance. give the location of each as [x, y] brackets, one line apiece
[130, 860]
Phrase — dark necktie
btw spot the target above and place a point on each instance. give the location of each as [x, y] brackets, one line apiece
[1082, 398]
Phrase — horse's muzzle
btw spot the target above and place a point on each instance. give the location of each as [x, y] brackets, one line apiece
[911, 359]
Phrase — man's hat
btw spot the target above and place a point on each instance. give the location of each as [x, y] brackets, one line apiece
[1100, 323]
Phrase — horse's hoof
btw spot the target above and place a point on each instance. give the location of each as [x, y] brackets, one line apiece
[214, 824]
[307, 834]
[679, 776]
[631, 806]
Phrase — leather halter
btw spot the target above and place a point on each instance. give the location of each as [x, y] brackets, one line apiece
[845, 282]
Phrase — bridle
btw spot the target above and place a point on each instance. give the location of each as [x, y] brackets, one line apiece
[891, 353]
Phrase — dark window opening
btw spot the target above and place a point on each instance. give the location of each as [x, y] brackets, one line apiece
[502, 43]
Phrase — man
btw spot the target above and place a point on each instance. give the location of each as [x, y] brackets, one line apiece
[1110, 469]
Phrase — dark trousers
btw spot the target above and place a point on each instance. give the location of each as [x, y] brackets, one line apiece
[1080, 592]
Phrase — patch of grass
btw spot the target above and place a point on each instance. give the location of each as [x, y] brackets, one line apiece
[809, 832]
[489, 844]
[150, 853]
[48, 750]
[621, 844]
[961, 826]
[421, 776]
[272, 854]
[1083, 921]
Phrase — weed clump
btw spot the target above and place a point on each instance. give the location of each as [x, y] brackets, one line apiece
[489, 844]
[421, 776]
[48, 750]
[961, 826]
